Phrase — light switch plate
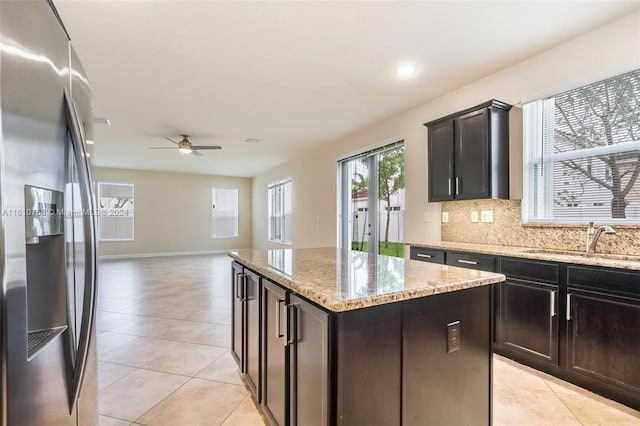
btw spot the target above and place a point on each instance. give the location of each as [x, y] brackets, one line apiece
[445, 217]
[474, 216]
[426, 217]
[486, 216]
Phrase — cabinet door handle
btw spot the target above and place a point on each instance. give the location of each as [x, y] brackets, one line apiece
[552, 296]
[238, 289]
[428, 256]
[568, 306]
[468, 262]
[278, 322]
[457, 186]
[244, 288]
[292, 325]
[449, 186]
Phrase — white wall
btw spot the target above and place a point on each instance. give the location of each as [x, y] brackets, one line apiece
[173, 212]
[610, 50]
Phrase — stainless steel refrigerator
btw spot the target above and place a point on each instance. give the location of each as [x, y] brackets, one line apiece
[47, 231]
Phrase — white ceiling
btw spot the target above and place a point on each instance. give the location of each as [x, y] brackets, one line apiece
[293, 74]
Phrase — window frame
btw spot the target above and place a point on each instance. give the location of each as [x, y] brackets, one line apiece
[273, 186]
[237, 213]
[100, 215]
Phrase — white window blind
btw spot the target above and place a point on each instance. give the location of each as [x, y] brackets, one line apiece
[116, 215]
[280, 211]
[582, 154]
[224, 212]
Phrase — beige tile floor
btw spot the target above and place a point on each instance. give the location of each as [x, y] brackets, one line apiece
[163, 356]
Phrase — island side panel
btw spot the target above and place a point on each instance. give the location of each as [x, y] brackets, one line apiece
[369, 345]
[443, 387]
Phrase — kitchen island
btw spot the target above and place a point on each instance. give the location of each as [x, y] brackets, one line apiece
[331, 336]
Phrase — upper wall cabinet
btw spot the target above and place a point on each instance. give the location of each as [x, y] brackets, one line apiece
[469, 154]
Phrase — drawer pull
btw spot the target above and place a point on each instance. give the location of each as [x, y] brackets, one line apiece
[552, 296]
[468, 262]
[428, 256]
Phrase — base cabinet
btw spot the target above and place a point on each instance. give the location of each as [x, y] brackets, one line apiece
[527, 309]
[252, 332]
[275, 379]
[237, 314]
[379, 365]
[577, 322]
[309, 363]
[458, 391]
[296, 359]
[604, 340]
[245, 326]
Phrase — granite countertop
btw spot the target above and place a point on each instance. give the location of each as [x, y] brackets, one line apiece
[342, 280]
[576, 257]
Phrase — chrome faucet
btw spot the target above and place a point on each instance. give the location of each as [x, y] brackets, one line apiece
[593, 235]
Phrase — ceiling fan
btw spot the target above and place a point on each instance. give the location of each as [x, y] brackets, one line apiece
[185, 146]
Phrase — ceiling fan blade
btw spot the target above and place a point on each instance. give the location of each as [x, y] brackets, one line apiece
[205, 147]
[165, 148]
[196, 153]
[171, 140]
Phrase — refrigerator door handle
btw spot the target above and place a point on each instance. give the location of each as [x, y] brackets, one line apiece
[90, 278]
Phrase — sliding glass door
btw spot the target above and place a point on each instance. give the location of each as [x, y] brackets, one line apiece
[372, 201]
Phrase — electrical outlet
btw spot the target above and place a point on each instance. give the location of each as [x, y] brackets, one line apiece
[445, 217]
[453, 336]
[486, 216]
[426, 217]
[474, 216]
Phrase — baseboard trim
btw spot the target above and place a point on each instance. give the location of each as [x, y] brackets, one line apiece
[164, 254]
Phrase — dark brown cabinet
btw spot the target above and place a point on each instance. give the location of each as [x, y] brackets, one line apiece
[296, 359]
[309, 363]
[275, 395]
[237, 314]
[604, 339]
[469, 154]
[603, 329]
[424, 354]
[471, 261]
[245, 328]
[579, 323]
[527, 309]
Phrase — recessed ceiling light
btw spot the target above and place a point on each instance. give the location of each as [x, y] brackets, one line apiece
[406, 70]
[252, 140]
[90, 142]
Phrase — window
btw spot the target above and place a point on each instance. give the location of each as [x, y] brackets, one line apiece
[115, 219]
[372, 200]
[582, 154]
[224, 213]
[280, 210]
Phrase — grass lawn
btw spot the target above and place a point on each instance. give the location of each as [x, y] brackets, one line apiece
[394, 249]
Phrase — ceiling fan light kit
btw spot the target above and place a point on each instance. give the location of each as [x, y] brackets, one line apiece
[185, 146]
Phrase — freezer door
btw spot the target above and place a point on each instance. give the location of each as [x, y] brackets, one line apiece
[43, 149]
[34, 73]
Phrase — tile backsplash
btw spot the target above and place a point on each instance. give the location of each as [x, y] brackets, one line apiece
[507, 229]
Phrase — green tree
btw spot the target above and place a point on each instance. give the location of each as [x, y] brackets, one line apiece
[390, 180]
[601, 114]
